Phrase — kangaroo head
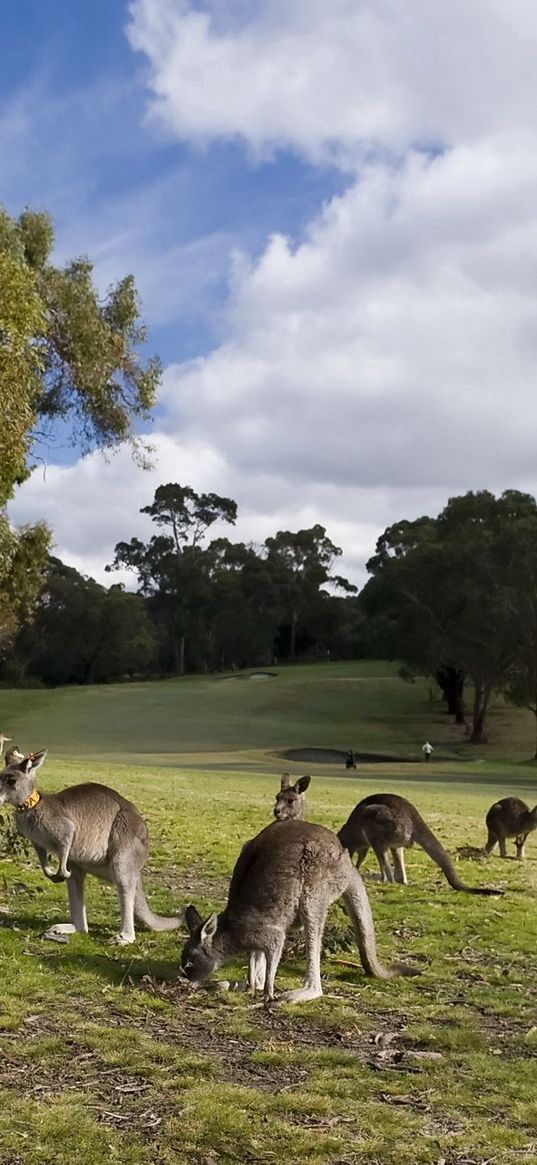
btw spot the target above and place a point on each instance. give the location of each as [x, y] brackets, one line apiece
[17, 780]
[13, 755]
[290, 799]
[198, 957]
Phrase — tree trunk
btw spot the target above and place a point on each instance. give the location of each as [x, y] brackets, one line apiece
[481, 699]
[292, 640]
[451, 681]
[178, 646]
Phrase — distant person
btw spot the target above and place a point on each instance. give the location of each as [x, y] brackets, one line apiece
[427, 749]
[350, 762]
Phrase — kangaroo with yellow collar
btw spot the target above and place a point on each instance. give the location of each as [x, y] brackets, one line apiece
[92, 830]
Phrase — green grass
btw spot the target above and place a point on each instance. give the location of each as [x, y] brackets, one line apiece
[238, 720]
[106, 1056]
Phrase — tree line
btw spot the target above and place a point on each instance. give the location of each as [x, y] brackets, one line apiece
[201, 605]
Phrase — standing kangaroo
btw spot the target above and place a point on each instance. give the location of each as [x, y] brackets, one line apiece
[92, 830]
[290, 800]
[510, 817]
[386, 822]
[289, 874]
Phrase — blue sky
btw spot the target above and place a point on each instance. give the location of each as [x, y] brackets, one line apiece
[331, 215]
[92, 160]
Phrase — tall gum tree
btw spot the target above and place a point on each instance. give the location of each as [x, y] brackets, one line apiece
[173, 568]
[68, 354]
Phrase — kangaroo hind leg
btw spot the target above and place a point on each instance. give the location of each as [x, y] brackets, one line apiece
[386, 868]
[314, 917]
[77, 909]
[491, 842]
[520, 842]
[257, 970]
[398, 858]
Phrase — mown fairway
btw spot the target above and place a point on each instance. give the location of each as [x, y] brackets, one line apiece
[105, 1056]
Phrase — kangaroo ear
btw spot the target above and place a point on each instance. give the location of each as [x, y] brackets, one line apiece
[192, 918]
[286, 781]
[208, 929]
[302, 784]
[33, 761]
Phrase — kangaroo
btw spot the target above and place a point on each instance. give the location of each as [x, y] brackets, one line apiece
[290, 801]
[289, 874]
[385, 822]
[13, 755]
[510, 817]
[92, 830]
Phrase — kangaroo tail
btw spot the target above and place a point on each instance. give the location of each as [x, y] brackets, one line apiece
[435, 850]
[145, 914]
[358, 908]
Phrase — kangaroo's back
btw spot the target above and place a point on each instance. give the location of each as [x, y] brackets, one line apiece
[286, 858]
[402, 812]
[96, 809]
[508, 816]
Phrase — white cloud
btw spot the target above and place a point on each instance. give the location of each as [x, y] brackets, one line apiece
[396, 346]
[335, 80]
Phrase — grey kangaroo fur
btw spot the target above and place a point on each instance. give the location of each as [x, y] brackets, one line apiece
[290, 800]
[92, 830]
[289, 874]
[510, 817]
[386, 822]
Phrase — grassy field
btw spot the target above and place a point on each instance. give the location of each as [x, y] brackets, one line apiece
[106, 1056]
[242, 719]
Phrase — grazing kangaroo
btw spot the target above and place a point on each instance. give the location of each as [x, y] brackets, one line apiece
[510, 817]
[290, 801]
[386, 822]
[92, 830]
[289, 874]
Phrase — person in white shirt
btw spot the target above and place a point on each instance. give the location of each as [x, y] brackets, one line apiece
[427, 749]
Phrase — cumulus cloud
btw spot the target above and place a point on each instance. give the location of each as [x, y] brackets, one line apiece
[391, 346]
[336, 80]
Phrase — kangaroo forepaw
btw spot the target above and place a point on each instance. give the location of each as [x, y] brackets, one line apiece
[122, 940]
[58, 877]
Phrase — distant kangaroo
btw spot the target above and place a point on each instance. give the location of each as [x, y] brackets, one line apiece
[289, 874]
[386, 822]
[510, 817]
[92, 830]
[290, 800]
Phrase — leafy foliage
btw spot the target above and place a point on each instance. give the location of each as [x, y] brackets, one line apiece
[65, 354]
[457, 594]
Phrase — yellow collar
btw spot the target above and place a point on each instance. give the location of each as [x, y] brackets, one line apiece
[30, 802]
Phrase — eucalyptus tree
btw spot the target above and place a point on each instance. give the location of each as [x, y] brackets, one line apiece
[445, 586]
[174, 568]
[67, 355]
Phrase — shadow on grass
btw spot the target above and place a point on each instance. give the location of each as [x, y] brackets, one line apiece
[124, 972]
